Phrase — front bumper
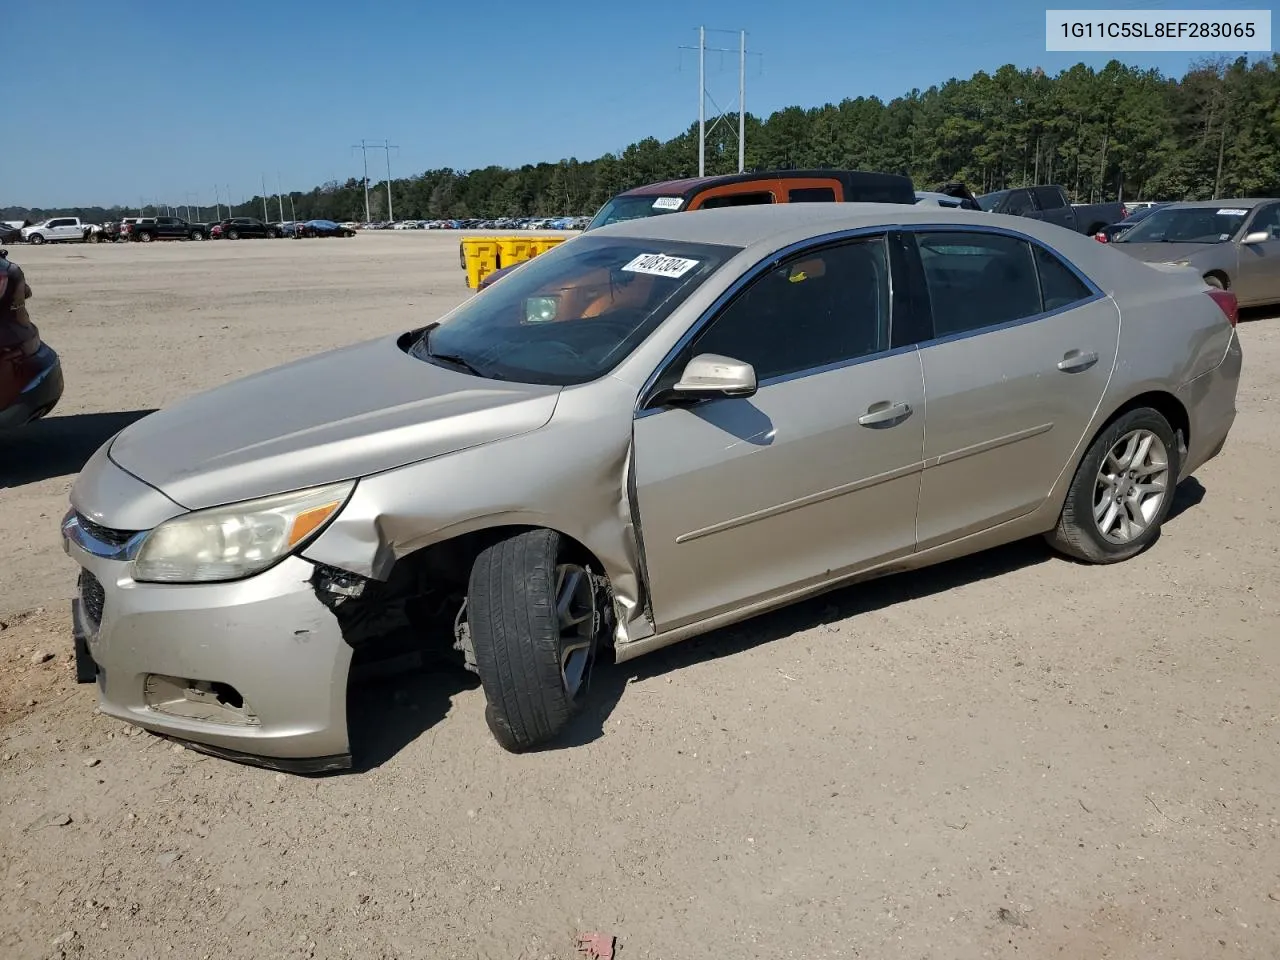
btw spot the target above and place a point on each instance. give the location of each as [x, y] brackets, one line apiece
[40, 395]
[254, 670]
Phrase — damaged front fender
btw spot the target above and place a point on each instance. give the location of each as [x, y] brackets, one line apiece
[570, 476]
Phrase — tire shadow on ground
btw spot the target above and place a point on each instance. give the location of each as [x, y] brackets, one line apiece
[58, 446]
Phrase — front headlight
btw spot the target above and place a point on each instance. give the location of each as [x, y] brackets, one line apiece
[238, 540]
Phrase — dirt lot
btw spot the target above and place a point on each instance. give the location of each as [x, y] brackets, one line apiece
[1011, 755]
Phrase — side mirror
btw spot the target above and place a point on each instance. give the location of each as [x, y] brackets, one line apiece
[1258, 236]
[709, 375]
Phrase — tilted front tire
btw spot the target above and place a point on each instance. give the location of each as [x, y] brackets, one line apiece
[533, 622]
[1122, 491]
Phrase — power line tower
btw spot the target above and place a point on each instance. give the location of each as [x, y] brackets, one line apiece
[364, 147]
[704, 95]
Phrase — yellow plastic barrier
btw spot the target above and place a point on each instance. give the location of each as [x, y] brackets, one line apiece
[481, 257]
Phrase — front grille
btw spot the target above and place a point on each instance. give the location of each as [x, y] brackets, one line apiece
[92, 597]
[114, 538]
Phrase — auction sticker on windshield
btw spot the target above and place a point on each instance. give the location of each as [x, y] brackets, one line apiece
[660, 265]
[1232, 213]
[668, 203]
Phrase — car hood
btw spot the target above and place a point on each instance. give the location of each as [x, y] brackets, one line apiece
[339, 415]
[1165, 252]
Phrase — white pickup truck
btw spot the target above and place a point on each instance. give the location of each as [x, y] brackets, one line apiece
[56, 229]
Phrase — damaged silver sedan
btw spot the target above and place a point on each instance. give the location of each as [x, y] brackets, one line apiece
[658, 429]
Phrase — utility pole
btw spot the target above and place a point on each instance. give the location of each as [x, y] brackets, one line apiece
[265, 214]
[230, 212]
[217, 204]
[279, 196]
[703, 95]
[364, 152]
[293, 213]
[742, 102]
[388, 146]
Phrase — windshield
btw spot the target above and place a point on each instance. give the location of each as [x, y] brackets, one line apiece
[572, 314]
[989, 201]
[633, 208]
[1187, 225]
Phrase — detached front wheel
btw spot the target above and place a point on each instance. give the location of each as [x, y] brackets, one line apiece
[533, 622]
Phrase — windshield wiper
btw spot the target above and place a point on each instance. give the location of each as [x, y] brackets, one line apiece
[424, 350]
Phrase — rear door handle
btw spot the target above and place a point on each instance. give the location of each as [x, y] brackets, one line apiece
[884, 412]
[1074, 361]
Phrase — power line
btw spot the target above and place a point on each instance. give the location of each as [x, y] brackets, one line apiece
[364, 147]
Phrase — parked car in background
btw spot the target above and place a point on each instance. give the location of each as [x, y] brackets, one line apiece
[30, 371]
[1113, 230]
[644, 434]
[951, 194]
[56, 230]
[237, 228]
[147, 229]
[323, 228]
[737, 190]
[11, 231]
[1050, 204]
[1233, 244]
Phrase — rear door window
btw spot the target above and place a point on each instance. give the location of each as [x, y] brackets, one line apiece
[977, 280]
[737, 199]
[1049, 198]
[812, 195]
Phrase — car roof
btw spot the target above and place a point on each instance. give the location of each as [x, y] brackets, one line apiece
[690, 185]
[747, 225]
[1235, 202]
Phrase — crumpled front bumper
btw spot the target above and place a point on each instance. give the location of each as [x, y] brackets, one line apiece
[254, 670]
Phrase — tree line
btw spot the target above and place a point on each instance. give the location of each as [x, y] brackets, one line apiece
[1117, 133]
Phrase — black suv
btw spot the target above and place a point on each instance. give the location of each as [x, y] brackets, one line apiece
[238, 227]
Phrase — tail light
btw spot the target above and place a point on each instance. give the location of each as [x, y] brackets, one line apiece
[1100, 237]
[1124, 212]
[1227, 301]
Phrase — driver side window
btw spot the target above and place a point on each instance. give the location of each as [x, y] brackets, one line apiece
[814, 309]
[1268, 219]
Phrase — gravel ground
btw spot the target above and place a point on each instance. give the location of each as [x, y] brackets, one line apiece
[1007, 756]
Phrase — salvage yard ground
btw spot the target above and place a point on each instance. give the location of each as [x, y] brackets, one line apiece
[1009, 755]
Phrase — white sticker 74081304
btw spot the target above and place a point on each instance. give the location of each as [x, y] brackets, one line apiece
[660, 265]
[668, 203]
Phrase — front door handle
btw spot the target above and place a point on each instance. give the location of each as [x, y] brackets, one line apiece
[1074, 361]
[884, 412]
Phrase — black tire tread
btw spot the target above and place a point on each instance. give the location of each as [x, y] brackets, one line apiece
[515, 635]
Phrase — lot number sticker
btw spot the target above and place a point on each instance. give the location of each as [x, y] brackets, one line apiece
[660, 265]
[668, 203]
[1232, 213]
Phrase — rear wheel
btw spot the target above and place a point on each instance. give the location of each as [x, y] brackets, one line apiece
[145, 237]
[93, 237]
[533, 623]
[197, 235]
[1122, 491]
[233, 234]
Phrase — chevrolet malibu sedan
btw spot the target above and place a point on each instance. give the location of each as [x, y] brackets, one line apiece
[1233, 244]
[666, 426]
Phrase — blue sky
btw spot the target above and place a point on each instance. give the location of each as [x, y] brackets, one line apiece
[156, 99]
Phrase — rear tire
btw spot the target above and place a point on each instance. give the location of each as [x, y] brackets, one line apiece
[1215, 281]
[1122, 491]
[145, 237]
[197, 235]
[533, 621]
[233, 234]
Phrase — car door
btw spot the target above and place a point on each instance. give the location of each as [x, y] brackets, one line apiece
[1258, 278]
[817, 474]
[1053, 207]
[62, 229]
[1023, 348]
